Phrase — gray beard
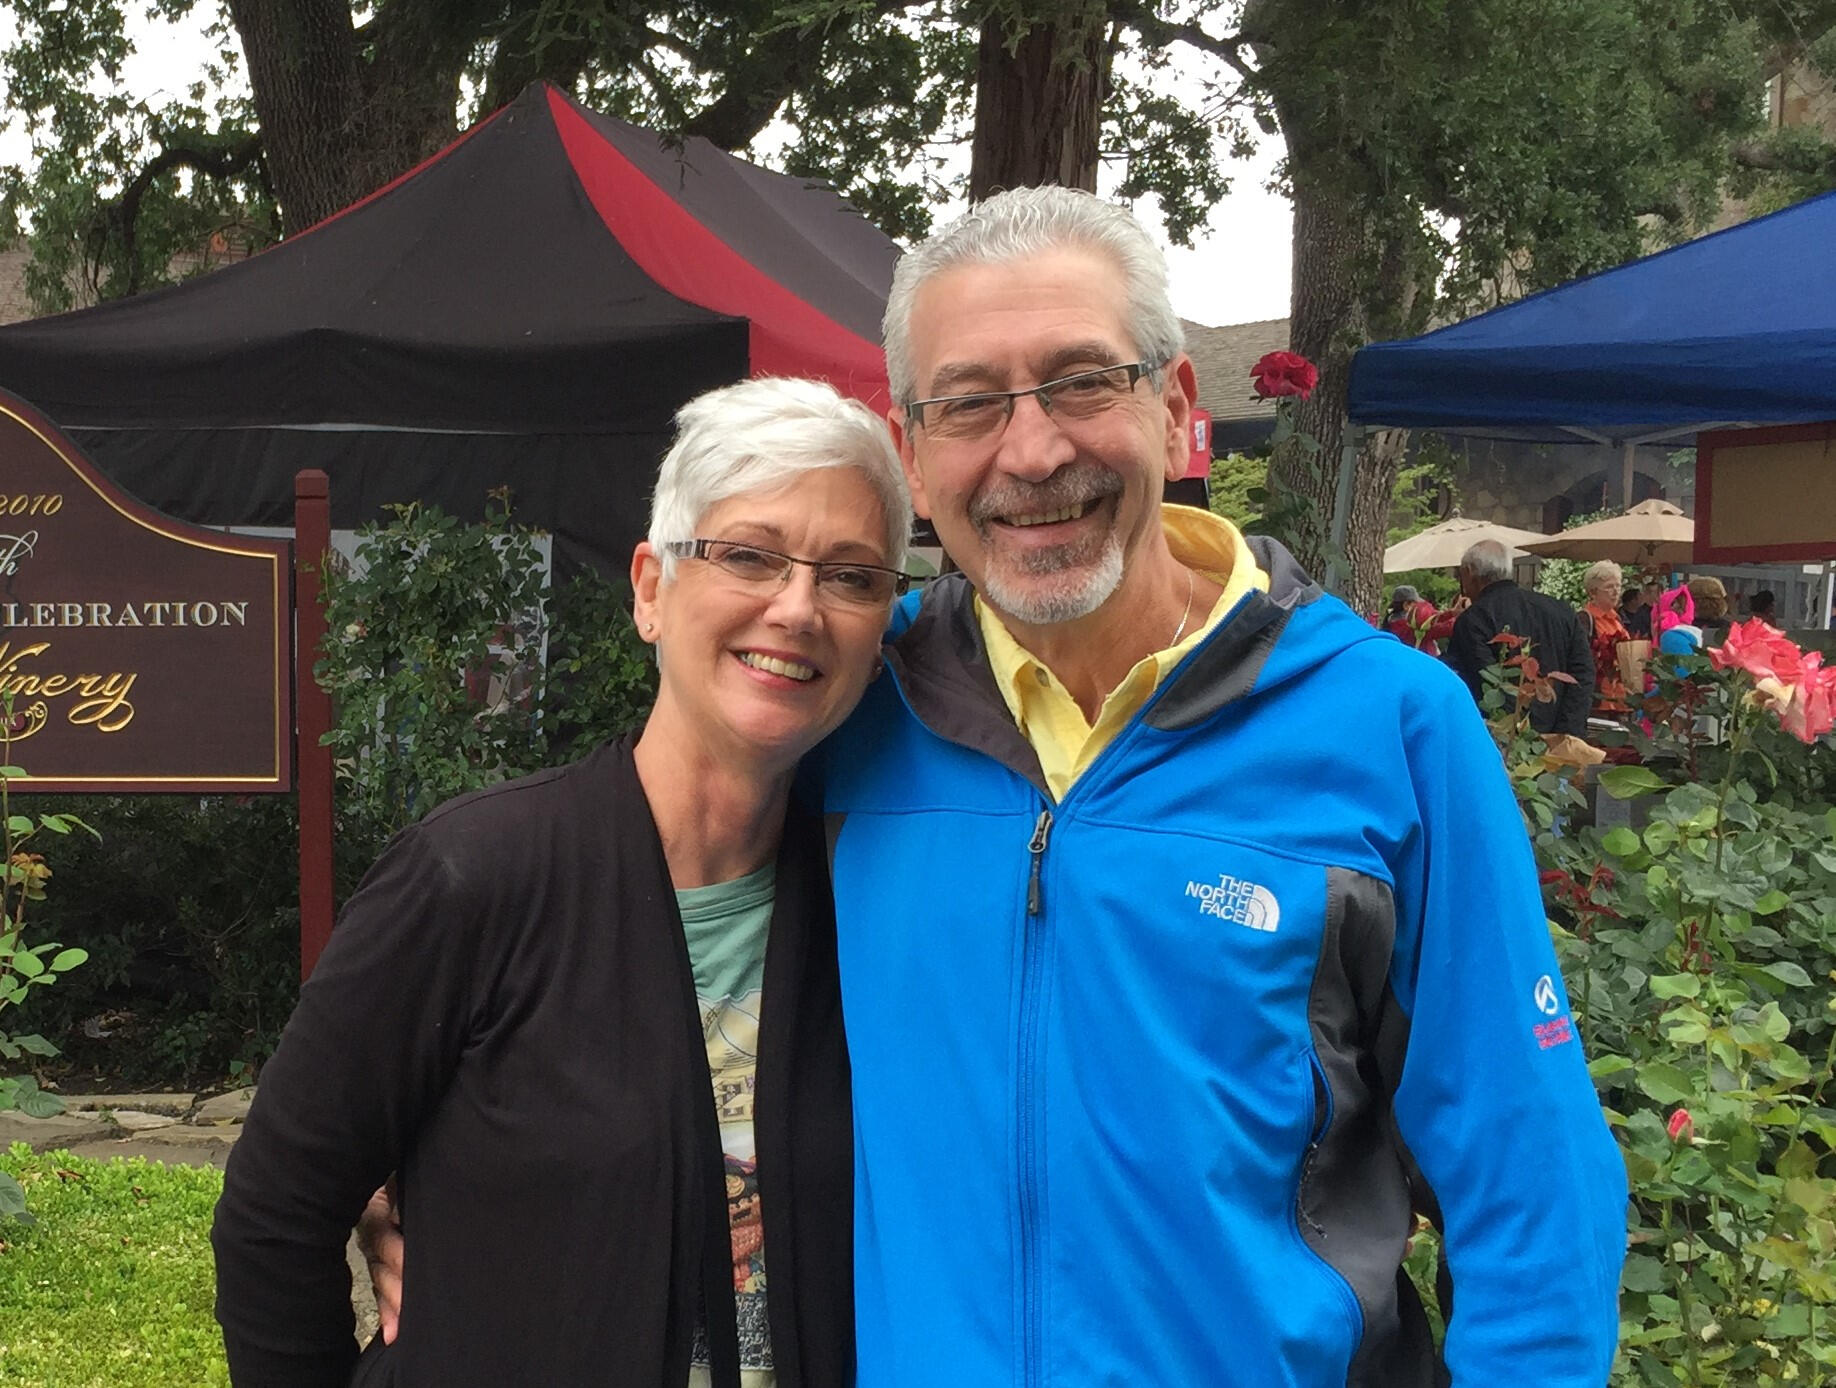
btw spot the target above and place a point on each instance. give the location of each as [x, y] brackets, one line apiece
[1082, 591]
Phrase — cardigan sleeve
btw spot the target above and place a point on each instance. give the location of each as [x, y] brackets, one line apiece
[367, 1053]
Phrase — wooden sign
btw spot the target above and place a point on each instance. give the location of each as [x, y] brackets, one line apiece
[140, 653]
[1765, 496]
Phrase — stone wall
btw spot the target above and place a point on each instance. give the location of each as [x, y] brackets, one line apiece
[1538, 486]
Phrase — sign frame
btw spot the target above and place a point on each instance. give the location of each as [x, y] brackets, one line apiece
[277, 776]
[1708, 444]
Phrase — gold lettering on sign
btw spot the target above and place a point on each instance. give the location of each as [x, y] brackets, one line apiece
[205, 613]
[103, 702]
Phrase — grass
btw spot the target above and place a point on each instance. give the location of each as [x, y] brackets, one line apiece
[114, 1284]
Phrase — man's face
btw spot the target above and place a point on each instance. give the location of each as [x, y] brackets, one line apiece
[1045, 513]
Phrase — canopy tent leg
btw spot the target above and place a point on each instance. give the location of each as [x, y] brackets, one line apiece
[1625, 475]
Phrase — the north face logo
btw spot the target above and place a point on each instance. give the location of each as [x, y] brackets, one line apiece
[1237, 901]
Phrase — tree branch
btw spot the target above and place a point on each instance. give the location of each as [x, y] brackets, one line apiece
[218, 159]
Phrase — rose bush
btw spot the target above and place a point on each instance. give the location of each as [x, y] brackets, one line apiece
[1699, 945]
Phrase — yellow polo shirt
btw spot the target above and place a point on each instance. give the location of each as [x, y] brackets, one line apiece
[1045, 711]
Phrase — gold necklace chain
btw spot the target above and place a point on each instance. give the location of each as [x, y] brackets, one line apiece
[1185, 616]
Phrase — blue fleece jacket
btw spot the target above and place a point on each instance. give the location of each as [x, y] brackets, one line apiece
[1151, 1081]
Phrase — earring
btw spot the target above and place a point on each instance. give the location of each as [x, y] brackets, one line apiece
[649, 627]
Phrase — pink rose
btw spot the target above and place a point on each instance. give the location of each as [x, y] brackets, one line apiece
[1760, 650]
[1681, 1126]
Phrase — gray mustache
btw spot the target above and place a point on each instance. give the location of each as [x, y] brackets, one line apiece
[1069, 486]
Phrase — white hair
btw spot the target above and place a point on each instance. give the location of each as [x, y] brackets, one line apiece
[1024, 222]
[1601, 571]
[760, 435]
[1486, 559]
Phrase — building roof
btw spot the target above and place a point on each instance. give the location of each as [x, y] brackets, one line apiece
[1222, 357]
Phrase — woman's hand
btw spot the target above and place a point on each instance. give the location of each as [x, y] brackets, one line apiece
[379, 1235]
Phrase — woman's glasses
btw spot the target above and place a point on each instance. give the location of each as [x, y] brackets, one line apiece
[863, 585]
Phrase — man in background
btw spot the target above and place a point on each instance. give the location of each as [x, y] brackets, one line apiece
[1551, 629]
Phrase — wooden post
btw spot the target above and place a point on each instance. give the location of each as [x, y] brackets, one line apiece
[311, 546]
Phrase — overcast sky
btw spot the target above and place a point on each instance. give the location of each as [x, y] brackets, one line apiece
[1235, 274]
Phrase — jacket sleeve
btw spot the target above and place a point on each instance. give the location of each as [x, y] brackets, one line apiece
[1494, 1104]
[1577, 698]
[368, 1051]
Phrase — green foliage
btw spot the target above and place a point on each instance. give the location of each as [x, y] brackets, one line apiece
[435, 662]
[190, 913]
[1699, 946]
[114, 1285]
[1239, 485]
[1425, 488]
[24, 966]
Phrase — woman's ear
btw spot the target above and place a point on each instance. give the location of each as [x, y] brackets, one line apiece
[646, 579]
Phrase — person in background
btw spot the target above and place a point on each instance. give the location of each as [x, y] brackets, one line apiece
[1640, 605]
[551, 1003]
[1711, 596]
[1763, 605]
[1601, 621]
[1414, 621]
[1551, 628]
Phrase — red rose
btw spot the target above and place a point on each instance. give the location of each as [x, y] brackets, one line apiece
[1284, 373]
[1681, 1126]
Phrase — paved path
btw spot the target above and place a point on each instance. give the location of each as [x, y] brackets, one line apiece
[175, 1128]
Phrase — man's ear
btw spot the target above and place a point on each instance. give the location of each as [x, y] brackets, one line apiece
[914, 479]
[1180, 393]
[646, 577]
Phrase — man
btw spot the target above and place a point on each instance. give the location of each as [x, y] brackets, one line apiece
[1191, 940]
[1551, 628]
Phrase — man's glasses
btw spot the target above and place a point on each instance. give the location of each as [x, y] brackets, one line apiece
[1068, 400]
[864, 585]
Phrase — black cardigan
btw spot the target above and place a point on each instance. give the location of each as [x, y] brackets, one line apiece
[506, 1016]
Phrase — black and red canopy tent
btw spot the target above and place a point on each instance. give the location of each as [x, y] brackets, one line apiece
[528, 308]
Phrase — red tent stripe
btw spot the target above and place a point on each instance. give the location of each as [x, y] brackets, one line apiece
[788, 336]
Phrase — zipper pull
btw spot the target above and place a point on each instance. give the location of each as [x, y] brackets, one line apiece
[1041, 832]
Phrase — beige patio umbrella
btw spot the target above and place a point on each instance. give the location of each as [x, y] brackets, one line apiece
[1653, 534]
[1441, 546]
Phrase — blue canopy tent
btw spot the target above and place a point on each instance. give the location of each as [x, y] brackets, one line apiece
[1738, 327]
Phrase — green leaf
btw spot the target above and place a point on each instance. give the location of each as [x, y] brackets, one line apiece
[27, 964]
[1665, 1083]
[1676, 986]
[34, 1044]
[19, 824]
[35, 1103]
[12, 771]
[1644, 1274]
[1602, 1066]
[67, 959]
[12, 1198]
[1774, 901]
[1624, 782]
[1788, 973]
[1621, 842]
[54, 823]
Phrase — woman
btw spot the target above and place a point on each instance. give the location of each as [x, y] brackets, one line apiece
[1414, 621]
[1605, 630]
[524, 1006]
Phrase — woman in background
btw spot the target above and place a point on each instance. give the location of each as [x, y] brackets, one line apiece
[1605, 630]
[550, 1004]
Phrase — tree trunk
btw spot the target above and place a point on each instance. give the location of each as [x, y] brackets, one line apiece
[333, 127]
[1039, 107]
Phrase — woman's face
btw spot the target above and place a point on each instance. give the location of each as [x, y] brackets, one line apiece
[762, 671]
[1605, 591]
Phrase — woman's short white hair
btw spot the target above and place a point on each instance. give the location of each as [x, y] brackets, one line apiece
[1599, 573]
[761, 435]
[1025, 222]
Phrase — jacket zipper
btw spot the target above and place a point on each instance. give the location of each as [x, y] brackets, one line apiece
[1032, 1340]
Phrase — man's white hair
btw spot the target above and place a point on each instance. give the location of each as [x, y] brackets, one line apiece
[1488, 560]
[1024, 222]
[760, 435]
